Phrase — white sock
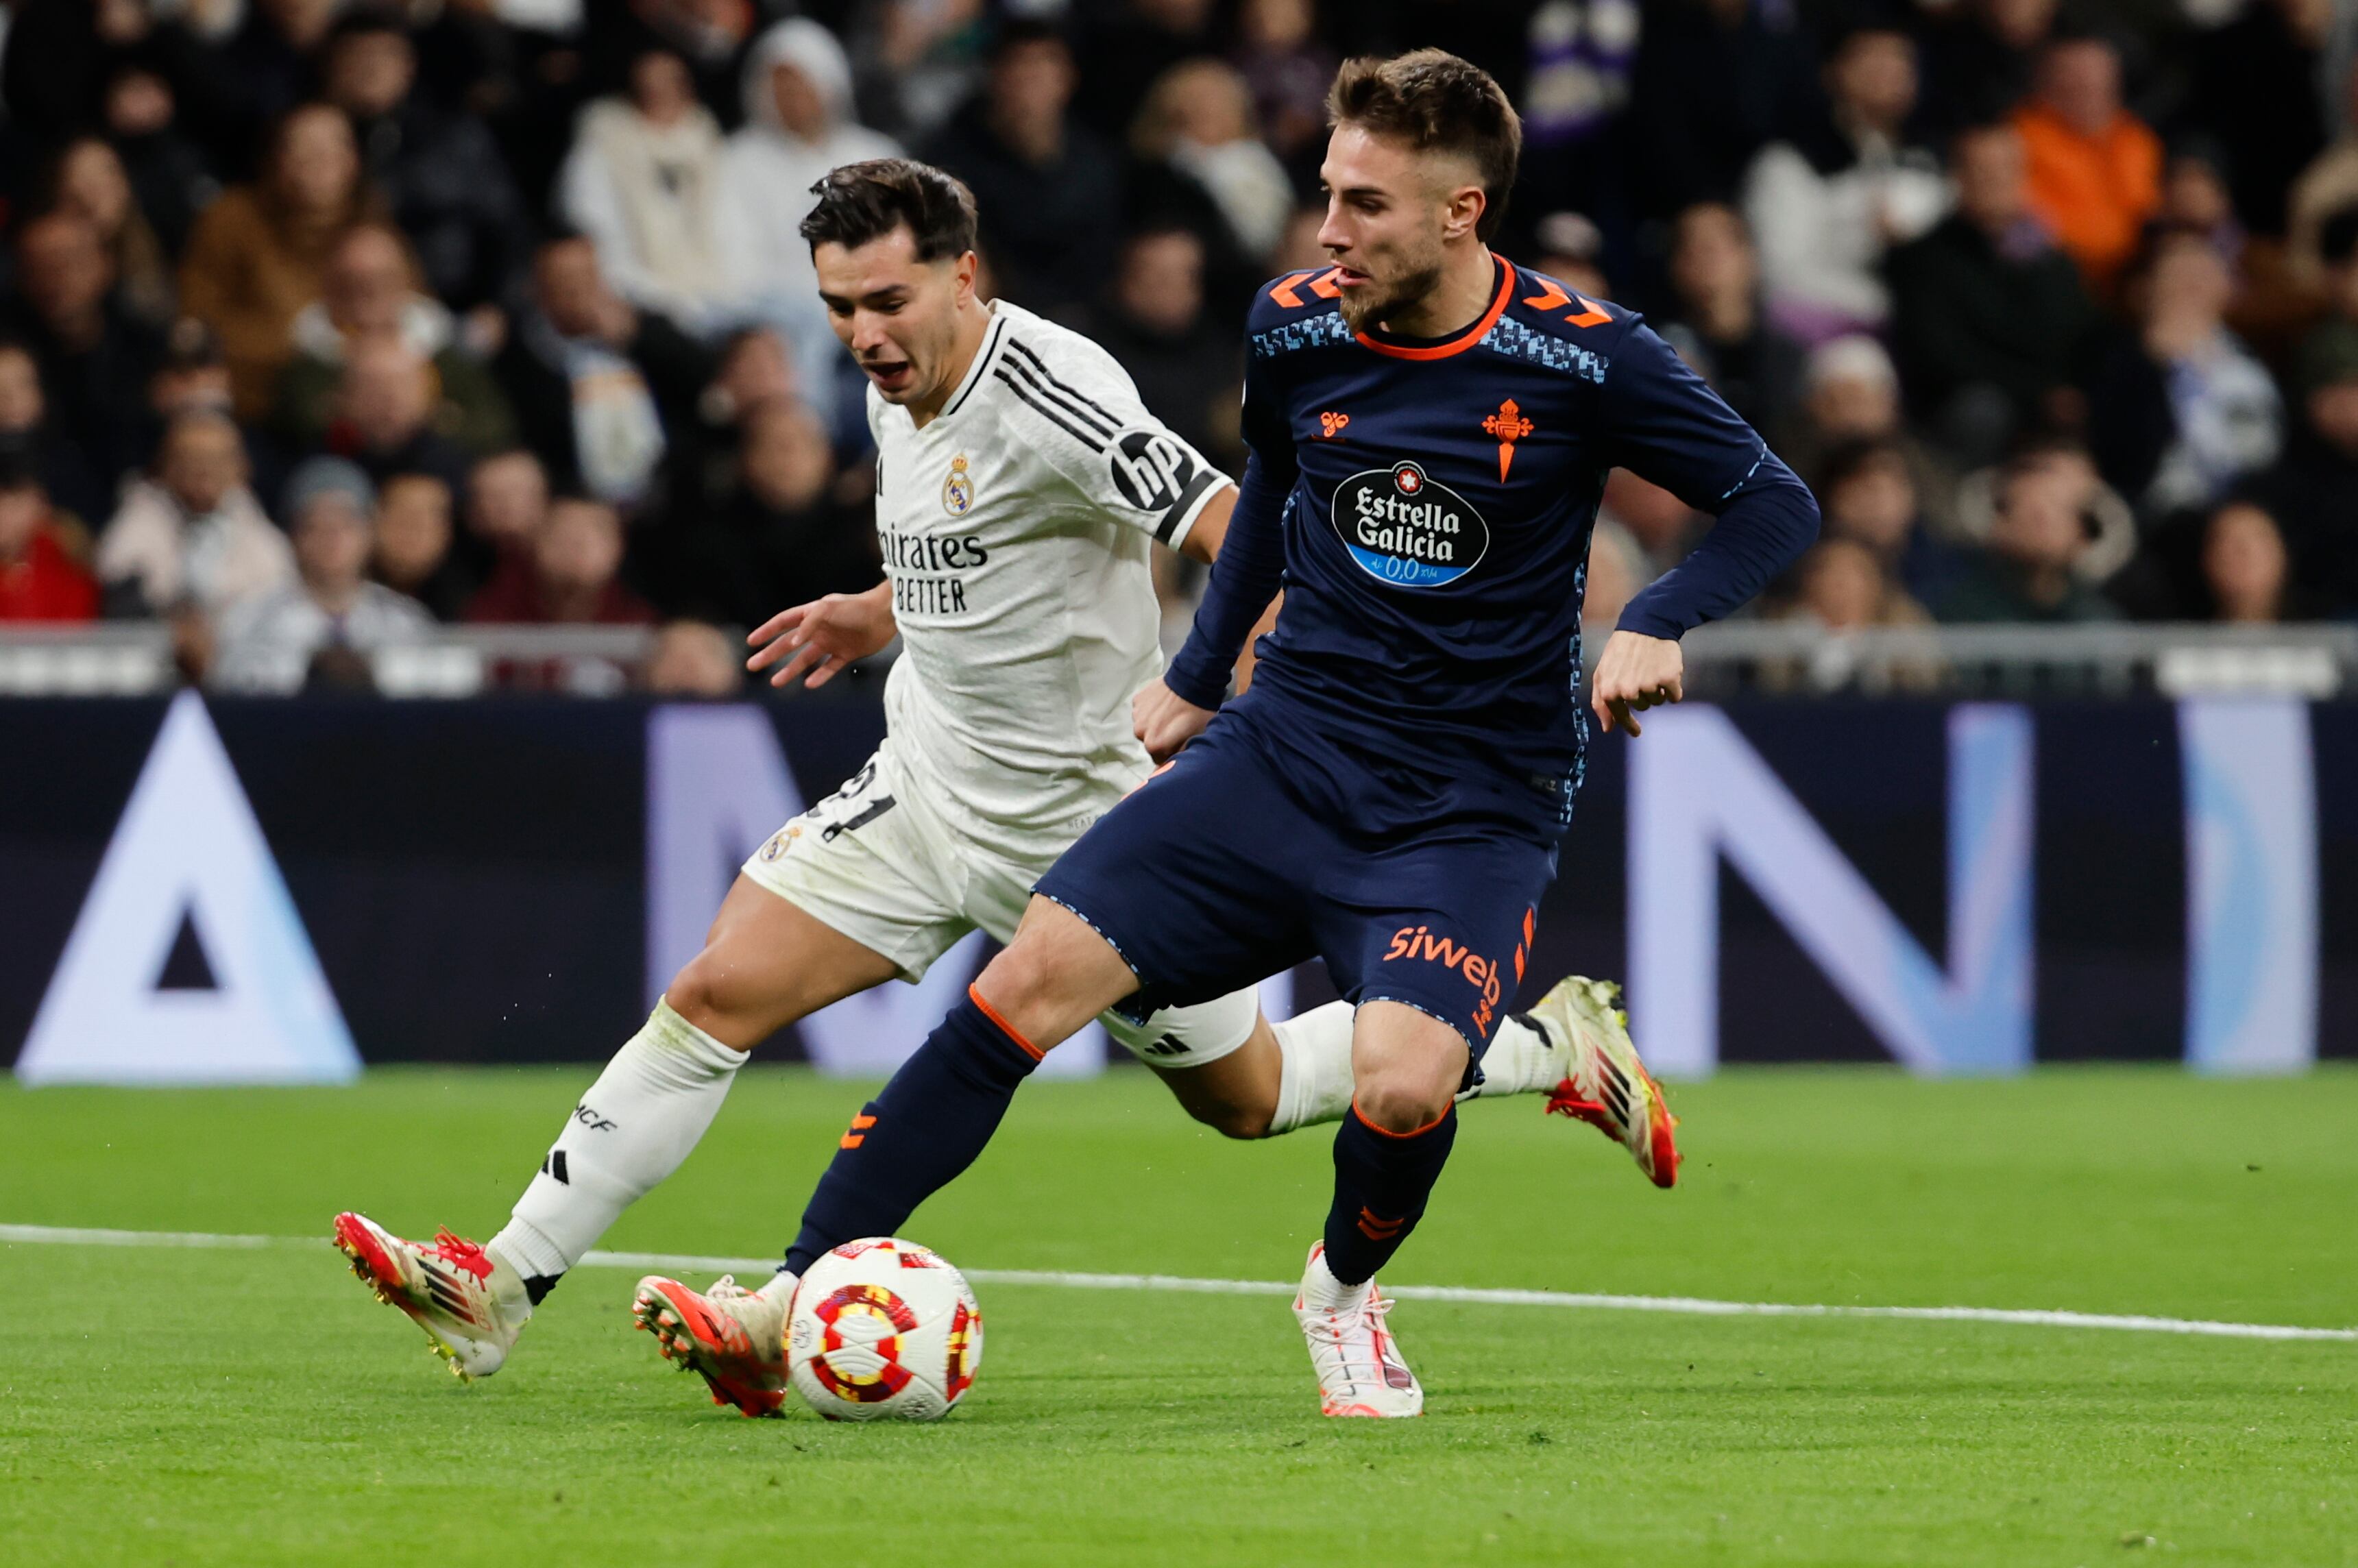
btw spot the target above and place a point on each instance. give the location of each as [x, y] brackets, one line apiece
[1322, 1292]
[632, 1129]
[780, 1288]
[1520, 1061]
[1313, 1083]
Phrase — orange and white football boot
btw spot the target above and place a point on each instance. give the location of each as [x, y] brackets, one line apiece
[471, 1309]
[1360, 1370]
[732, 1338]
[1605, 1084]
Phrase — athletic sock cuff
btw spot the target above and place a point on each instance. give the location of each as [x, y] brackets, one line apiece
[697, 1053]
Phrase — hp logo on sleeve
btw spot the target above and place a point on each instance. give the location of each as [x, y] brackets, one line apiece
[1151, 469]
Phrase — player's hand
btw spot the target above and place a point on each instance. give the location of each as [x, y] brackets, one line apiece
[824, 637]
[1163, 720]
[1638, 672]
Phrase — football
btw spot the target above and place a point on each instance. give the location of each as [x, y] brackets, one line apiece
[883, 1330]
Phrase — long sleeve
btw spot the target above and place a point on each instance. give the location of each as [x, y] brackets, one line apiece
[1246, 576]
[1663, 424]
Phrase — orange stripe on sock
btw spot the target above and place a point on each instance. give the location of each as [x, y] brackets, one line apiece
[1005, 1028]
[1387, 1133]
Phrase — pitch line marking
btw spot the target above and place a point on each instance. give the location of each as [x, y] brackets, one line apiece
[1694, 1306]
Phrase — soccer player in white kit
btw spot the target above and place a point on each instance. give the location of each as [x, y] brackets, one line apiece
[1021, 485]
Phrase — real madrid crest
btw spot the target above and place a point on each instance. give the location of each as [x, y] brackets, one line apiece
[957, 490]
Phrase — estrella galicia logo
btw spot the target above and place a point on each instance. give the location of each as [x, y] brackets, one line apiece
[1151, 469]
[1409, 530]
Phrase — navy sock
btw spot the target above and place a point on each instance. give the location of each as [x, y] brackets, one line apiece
[913, 1140]
[1381, 1183]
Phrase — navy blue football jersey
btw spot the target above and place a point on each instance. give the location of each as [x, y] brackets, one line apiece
[1436, 500]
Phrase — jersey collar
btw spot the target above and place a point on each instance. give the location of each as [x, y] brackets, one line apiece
[1456, 343]
[974, 373]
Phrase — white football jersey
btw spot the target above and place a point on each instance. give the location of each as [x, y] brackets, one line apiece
[1015, 529]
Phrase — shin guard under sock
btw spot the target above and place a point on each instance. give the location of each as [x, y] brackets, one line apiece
[913, 1140]
[1381, 1183]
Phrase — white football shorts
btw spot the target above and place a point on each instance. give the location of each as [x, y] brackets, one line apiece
[878, 862]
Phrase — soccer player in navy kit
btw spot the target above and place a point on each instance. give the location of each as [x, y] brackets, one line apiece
[1431, 427]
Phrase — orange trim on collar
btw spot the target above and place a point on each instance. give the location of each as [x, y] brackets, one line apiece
[1464, 340]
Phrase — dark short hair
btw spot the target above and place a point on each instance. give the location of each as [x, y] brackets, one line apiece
[863, 202]
[1434, 102]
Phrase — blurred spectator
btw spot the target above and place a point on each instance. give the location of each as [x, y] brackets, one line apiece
[1842, 585]
[370, 291]
[2255, 90]
[1715, 82]
[1719, 325]
[1868, 493]
[507, 501]
[1978, 57]
[2028, 572]
[2093, 168]
[594, 380]
[751, 369]
[799, 125]
[1826, 205]
[95, 356]
[443, 178]
[2327, 186]
[89, 180]
[779, 536]
[2194, 196]
[1989, 320]
[257, 254]
[1617, 570]
[272, 642]
[2179, 411]
[1298, 250]
[265, 70]
[1287, 67]
[1198, 121]
[170, 176]
[384, 414]
[193, 378]
[1662, 527]
[707, 37]
[2246, 568]
[570, 576]
[194, 533]
[39, 577]
[643, 182]
[27, 441]
[693, 658]
[1572, 250]
[2314, 492]
[1130, 45]
[414, 554]
[1049, 191]
[1186, 370]
[915, 60]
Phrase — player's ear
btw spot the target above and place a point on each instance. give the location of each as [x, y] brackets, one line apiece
[964, 270]
[1463, 213]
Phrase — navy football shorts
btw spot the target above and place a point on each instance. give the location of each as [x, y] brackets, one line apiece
[1264, 844]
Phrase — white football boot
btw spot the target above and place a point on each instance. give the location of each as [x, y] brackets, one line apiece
[734, 1338]
[1605, 1084]
[471, 1309]
[1360, 1372]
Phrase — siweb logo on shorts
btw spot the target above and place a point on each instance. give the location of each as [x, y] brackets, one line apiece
[1407, 528]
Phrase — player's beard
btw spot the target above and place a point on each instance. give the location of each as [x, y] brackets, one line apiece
[1370, 303]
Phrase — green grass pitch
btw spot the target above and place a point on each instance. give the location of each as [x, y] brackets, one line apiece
[256, 1407]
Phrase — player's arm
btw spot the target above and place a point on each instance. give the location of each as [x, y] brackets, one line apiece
[1666, 426]
[825, 636]
[1203, 543]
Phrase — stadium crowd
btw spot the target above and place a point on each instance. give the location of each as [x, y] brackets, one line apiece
[322, 323]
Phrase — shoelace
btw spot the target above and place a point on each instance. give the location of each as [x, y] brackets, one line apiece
[460, 1253]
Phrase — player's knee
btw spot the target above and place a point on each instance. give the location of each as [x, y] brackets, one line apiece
[702, 993]
[1400, 1100]
[1238, 1121]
